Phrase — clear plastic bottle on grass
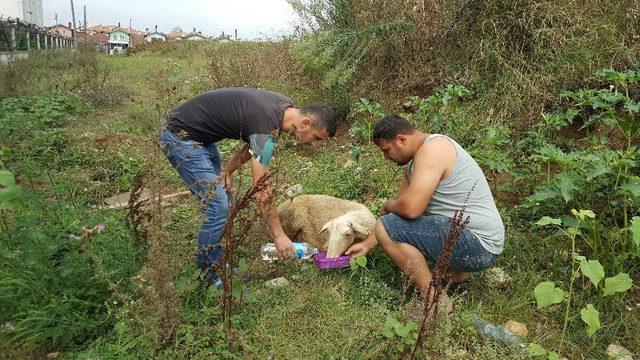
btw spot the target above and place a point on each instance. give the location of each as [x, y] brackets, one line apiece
[303, 251]
[494, 331]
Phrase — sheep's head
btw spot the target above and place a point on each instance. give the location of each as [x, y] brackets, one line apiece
[342, 231]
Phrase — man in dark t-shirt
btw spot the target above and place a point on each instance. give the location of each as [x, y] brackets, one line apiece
[254, 116]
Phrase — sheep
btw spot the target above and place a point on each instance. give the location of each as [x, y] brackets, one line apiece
[328, 223]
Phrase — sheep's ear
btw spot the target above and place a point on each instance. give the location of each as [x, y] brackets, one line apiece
[359, 229]
[325, 227]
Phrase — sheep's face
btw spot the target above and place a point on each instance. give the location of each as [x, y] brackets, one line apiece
[342, 232]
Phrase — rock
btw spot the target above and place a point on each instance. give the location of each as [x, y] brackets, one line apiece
[53, 355]
[8, 326]
[519, 329]
[122, 200]
[277, 282]
[293, 191]
[349, 164]
[617, 352]
[497, 277]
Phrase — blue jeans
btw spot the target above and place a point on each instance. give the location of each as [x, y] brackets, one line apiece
[200, 167]
[427, 234]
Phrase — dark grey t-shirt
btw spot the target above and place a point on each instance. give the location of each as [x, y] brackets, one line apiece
[252, 115]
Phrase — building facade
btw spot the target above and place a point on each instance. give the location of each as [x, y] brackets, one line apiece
[155, 36]
[118, 40]
[61, 30]
[29, 11]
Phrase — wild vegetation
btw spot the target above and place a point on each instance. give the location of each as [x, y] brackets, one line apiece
[545, 95]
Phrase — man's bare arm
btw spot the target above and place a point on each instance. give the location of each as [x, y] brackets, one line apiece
[429, 166]
[284, 246]
[239, 157]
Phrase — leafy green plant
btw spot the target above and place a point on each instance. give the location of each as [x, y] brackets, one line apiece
[596, 174]
[431, 110]
[358, 263]
[547, 294]
[367, 113]
[405, 335]
[489, 150]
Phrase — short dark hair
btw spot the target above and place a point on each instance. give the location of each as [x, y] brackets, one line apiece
[323, 117]
[390, 126]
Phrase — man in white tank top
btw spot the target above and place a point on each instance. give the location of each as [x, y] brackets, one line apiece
[440, 177]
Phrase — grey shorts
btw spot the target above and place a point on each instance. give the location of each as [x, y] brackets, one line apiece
[427, 234]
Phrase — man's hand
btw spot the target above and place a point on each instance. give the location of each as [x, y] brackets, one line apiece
[284, 247]
[226, 181]
[359, 249]
[383, 209]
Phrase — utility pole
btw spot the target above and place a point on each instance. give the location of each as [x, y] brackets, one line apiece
[236, 35]
[85, 23]
[73, 18]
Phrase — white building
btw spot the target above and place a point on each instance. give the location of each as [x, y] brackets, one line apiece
[29, 11]
[155, 36]
[118, 40]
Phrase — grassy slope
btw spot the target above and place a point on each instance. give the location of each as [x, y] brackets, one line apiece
[322, 314]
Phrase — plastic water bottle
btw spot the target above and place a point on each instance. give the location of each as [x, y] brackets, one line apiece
[496, 332]
[303, 251]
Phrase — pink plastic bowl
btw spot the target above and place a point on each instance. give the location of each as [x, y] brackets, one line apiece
[323, 263]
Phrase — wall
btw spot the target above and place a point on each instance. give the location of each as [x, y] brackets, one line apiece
[6, 56]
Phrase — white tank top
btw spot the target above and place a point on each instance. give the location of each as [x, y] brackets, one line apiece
[450, 194]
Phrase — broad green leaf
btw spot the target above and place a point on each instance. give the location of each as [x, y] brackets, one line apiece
[619, 283]
[591, 317]
[567, 184]
[593, 270]
[547, 293]
[631, 186]
[542, 195]
[361, 261]
[571, 222]
[546, 220]
[185, 284]
[635, 230]
[402, 331]
[632, 106]
[582, 214]
[412, 326]
[387, 333]
[597, 170]
[536, 350]
[391, 322]
[578, 257]
[212, 292]
[353, 264]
